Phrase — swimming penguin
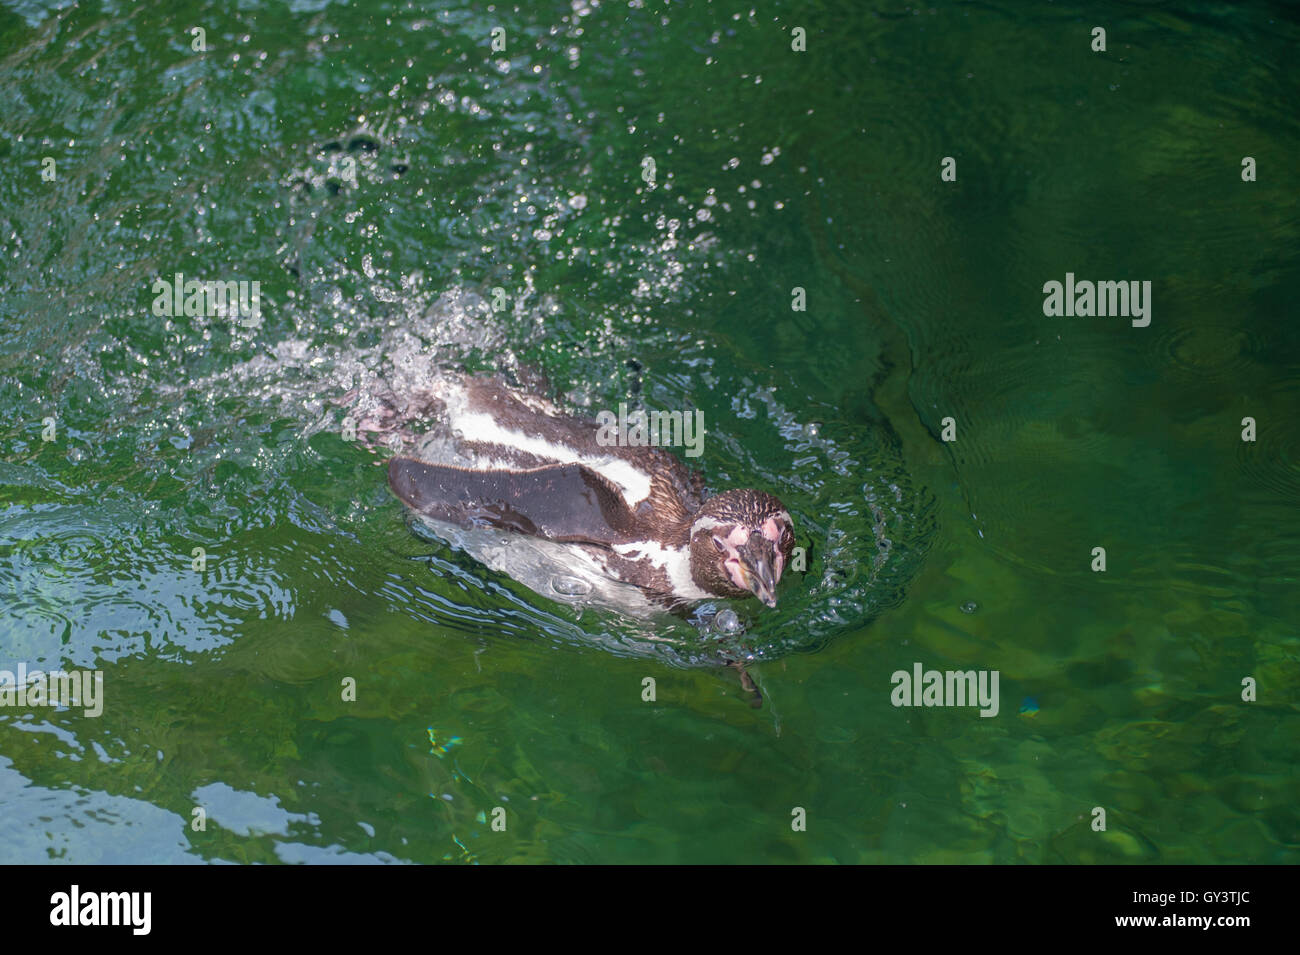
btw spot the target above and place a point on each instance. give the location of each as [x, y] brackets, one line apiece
[529, 491]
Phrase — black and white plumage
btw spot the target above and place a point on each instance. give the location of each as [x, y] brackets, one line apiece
[529, 491]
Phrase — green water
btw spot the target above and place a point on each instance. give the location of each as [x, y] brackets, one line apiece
[774, 169]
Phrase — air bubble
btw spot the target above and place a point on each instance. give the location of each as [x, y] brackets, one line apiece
[570, 586]
[728, 622]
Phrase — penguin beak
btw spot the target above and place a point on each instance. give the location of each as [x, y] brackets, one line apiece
[756, 569]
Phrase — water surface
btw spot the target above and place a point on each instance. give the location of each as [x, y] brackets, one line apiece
[774, 170]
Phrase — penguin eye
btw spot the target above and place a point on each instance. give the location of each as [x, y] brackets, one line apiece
[722, 548]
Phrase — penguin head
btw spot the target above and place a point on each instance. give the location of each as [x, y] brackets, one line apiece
[740, 543]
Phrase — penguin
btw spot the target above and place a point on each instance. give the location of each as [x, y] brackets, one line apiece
[530, 491]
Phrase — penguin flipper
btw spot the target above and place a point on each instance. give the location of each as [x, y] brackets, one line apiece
[568, 503]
